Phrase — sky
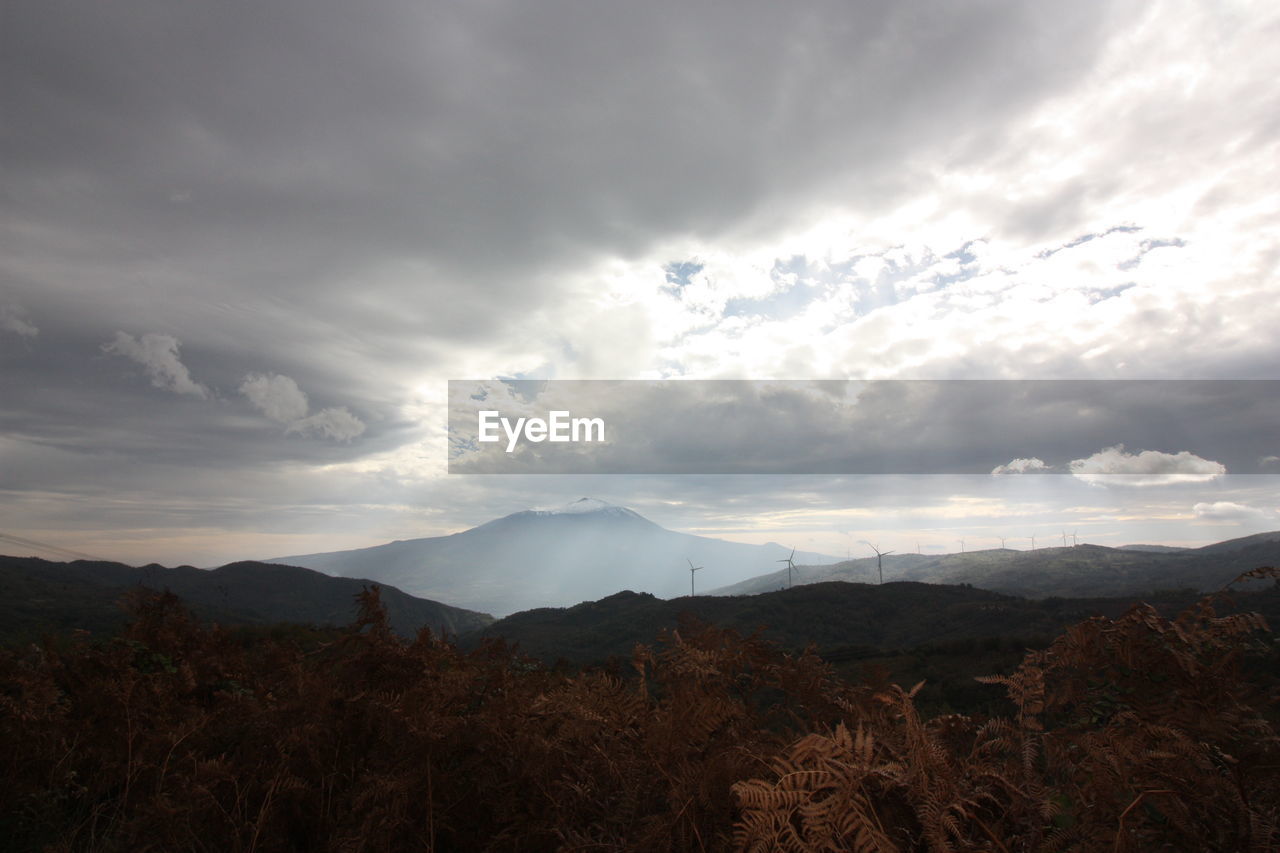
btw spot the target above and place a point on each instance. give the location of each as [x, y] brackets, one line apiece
[245, 246]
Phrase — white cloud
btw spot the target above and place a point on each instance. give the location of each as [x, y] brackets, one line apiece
[13, 319]
[1227, 511]
[1113, 466]
[1269, 460]
[1020, 466]
[159, 355]
[336, 423]
[1064, 252]
[278, 397]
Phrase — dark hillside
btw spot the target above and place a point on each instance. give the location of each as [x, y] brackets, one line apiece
[833, 616]
[38, 596]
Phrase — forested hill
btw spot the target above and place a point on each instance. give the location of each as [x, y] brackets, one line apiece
[39, 596]
[835, 616]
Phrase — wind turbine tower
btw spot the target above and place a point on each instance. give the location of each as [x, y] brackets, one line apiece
[880, 555]
[692, 569]
[790, 567]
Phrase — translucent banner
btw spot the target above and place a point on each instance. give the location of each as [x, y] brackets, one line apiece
[1145, 430]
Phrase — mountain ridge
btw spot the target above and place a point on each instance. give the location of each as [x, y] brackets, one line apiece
[1072, 571]
[37, 594]
[832, 615]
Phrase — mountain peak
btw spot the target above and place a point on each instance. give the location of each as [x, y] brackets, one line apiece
[584, 505]
[588, 510]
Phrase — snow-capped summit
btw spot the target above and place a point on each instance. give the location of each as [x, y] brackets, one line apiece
[582, 505]
[583, 510]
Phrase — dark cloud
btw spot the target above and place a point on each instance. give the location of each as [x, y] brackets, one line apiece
[68, 394]
[221, 152]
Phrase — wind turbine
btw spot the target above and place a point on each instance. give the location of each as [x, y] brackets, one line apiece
[1064, 539]
[1001, 542]
[692, 569]
[1073, 538]
[880, 555]
[790, 566]
[1033, 541]
[961, 541]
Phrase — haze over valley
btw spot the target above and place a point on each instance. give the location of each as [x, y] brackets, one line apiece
[590, 549]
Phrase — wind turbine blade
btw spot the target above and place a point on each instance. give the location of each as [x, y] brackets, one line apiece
[63, 552]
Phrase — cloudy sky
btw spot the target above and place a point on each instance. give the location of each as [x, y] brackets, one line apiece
[244, 246]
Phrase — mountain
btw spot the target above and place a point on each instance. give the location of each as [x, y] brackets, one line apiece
[1075, 571]
[38, 596]
[537, 558]
[1154, 549]
[1241, 543]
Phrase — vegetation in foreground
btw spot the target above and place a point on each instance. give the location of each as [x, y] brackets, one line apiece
[1139, 732]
